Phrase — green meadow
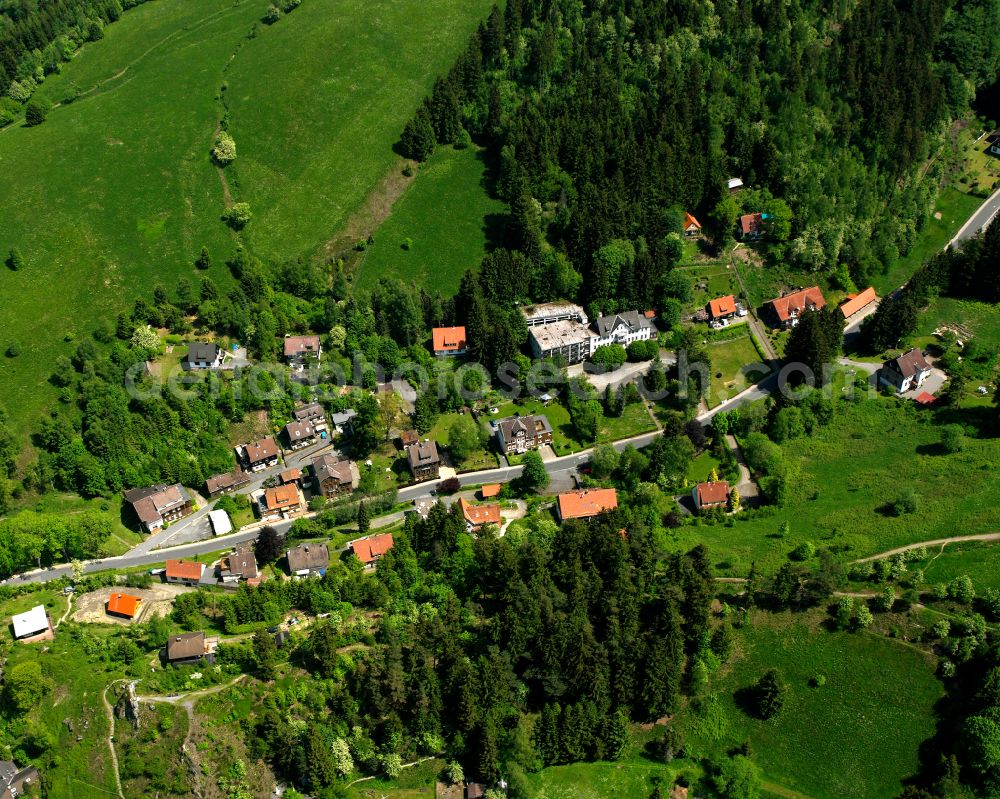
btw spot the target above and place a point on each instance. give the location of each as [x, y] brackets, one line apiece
[856, 735]
[440, 227]
[122, 175]
[842, 477]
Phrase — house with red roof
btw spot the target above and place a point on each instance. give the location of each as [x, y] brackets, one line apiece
[691, 226]
[449, 341]
[786, 310]
[855, 303]
[371, 548]
[711, 495]
[300, 350]
[722, 308]
[186, 572]
[478, 515]
[586, 503]
[124, 605]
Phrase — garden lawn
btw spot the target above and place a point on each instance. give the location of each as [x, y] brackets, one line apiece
[482, 458]
[858, 735]
[728, 359]
[635, 420]
[701, 467]
[843, 475]
[600, 780]
[448, 217]
[708, 283]
[122, 176]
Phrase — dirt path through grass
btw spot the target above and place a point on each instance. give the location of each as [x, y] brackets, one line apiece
[111, 735]
[958, 539]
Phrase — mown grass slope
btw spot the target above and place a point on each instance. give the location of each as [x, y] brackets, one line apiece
[115, 192]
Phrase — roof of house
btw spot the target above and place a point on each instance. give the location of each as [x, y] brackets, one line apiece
[690, 220]
[448, 339]
[491, 490]
[308, 556]
[344, 416]
[299, 431]
[240, 561]
[423, 453]
[750, 223]
[30, 622]
[713, 493]
[307, 412]
[909, 363]
[199, 351]
[650, 314]
[734, 183]
[586, 503]
[290, 475]
[477, 515]
[855, 302]
[795, 303]
[545, 310]
[281, 497]
[221, 482]
[124, 604]
[296, 345]
[925, 398]
[262, 450]
[184, 569]
[371, 548]
[329, 467]
[633, 320]
[528, 425]
[185, 645]
[408, 437]
[152, 502]
[564, 333]
[14, 781]
[220, 521]
[722, 306]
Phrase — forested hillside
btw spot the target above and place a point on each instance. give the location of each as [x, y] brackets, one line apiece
[608, 119]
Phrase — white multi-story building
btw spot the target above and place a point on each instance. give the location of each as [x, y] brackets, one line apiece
[623, 328]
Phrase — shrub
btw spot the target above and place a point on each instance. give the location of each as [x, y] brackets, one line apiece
[864, 618]
[463, 140]
[35, 112]
[610, 356]
[941, 628]
[407, 243]
[906, 502]
[15, 260]
[237, 216]
[961, 589]
[952, 438]
[803, 551]
[817, 680]
[272, 15]
[224, 151]
[13, 350]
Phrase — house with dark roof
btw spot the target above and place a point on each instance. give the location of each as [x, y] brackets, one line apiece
[239, 565]
[300, 350]
[299, 434]
[202, 356]
[259, 455]
[15, 782]
[306, 559]
[334, 475]
[691, 226]
[449, 341]
[187, 648]
[622, 328]
[906, 372]
[711, 495]
[371, 548]
[424, 460]
[521, 433]
[227, 483]
[786, 310]
[160, 504]
[342, 420]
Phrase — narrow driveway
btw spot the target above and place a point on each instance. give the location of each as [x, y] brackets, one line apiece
[980, 220]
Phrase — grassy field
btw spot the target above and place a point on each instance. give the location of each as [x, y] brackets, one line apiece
[857, 735]
[728, 359]
[844, 474]
[601, 780]
[978, 559]
[482, 458]
[709, 282]
[122, 176]
[701, 467]
[448, 216]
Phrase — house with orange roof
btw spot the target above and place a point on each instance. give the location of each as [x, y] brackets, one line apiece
[186, 572]
[711, 495]
[281, 501]
[855, 303]
[490, 490]
[691, 226]
[751, 226]
[722, 308]
[371, 548]
[449, 341]
[478, 515]
[300, 350]
[124, 605]
[586, 503]
[786, 310]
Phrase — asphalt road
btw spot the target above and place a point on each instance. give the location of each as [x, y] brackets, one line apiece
[980, 220]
